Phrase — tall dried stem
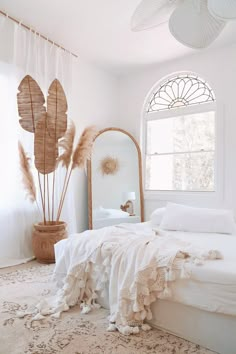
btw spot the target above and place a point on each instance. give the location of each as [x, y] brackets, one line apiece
[48, 194]
[66, 182]
[40, 190]
[80, 156]
[66, 143]
[57, 121]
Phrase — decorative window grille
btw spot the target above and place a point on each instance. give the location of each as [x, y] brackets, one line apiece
[179, 91]
[180, 136]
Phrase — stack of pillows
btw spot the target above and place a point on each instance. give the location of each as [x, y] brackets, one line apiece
[178, 217]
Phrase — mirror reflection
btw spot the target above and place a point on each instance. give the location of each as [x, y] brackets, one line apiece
[116, 185]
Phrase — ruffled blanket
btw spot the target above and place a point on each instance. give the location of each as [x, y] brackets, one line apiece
[136, 263]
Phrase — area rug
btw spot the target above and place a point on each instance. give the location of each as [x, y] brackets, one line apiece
[22, 287]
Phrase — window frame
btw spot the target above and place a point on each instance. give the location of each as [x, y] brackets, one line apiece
[175, 195]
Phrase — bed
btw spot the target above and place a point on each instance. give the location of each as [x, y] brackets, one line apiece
[201, 308]
[182, 281]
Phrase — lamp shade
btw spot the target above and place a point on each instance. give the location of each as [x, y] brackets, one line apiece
[193, 25]
[129, 196]
[152, 13]
[223, 9]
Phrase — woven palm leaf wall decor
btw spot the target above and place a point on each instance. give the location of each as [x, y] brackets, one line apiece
[31, 102]
[45, 146]
[56, 109]
[53, 141]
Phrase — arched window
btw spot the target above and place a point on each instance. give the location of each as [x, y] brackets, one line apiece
[179, 126]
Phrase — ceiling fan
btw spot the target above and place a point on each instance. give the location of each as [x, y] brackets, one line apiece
[194, 23]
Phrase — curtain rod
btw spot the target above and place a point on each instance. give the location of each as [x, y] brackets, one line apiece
[37, 33]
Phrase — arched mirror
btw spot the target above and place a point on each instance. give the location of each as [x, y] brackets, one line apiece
[115, 193]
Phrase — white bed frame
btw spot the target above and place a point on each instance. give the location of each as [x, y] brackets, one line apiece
[211, 330]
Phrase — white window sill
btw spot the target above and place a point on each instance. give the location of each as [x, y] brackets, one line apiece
[180, 195]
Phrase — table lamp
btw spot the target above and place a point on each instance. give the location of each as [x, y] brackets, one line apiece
[129, 206]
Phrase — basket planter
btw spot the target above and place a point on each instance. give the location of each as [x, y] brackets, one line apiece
[44, 238]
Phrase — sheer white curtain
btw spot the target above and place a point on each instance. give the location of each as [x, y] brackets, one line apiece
[22, 52]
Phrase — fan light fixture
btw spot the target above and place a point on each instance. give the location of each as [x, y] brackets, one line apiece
[194, 23]
[152, 13]
[223, 9]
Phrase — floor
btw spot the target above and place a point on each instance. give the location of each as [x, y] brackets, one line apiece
[25, 286]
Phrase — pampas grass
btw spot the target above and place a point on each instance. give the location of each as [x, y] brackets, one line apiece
[27, 177]
[66, 143]
[81, 154]
[83, 149]
[70, 160]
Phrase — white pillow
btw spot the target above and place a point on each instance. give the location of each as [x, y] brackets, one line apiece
[117, 213]
[101, 213]
[185, 218]
[157, 215]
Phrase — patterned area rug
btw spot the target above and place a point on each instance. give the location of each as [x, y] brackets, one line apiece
[22, 287]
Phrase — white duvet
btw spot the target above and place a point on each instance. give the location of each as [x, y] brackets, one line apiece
[211, 287]
[136, 263]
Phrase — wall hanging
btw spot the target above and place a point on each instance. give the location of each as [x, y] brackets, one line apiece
[109, 165]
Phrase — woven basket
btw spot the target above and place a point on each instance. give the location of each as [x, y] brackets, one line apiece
[44, 238]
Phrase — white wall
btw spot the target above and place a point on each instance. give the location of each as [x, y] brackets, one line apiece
[94, 96]
[219, 69]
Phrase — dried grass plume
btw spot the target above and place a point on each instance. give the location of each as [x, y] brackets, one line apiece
[66, 143]
[83, 149]
[27, 179]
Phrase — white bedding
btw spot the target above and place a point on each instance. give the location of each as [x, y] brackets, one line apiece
[103, 222]
[211, 287]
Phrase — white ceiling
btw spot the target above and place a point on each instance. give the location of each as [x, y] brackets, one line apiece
[99, 31]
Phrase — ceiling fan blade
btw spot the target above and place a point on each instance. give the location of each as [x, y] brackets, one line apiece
[193, 25]
[223, 9]
[151, 13]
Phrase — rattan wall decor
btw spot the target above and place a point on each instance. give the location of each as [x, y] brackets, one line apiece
[109, 165]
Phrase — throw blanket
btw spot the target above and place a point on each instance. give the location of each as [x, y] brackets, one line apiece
[137, 263]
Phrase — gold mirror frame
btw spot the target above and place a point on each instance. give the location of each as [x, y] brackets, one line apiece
[89, 173]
